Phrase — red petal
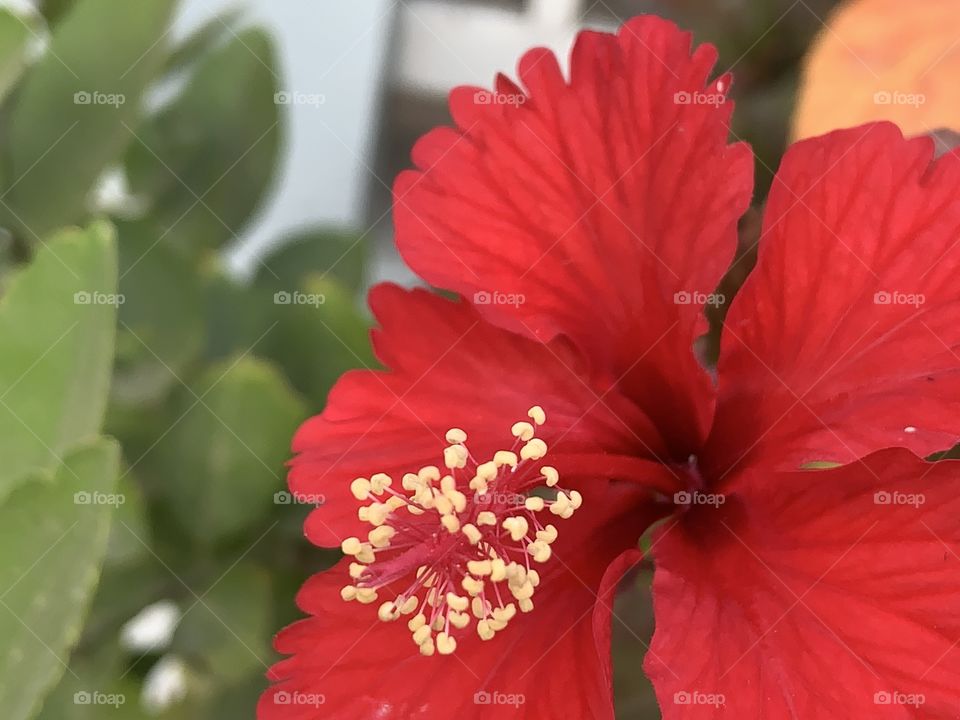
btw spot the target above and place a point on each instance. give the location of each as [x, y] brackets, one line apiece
[449, 368]
[814, 365]
[806, 596]
[584, 208]
[553, 662]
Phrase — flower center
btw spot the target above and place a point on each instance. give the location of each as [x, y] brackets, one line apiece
[467, 537]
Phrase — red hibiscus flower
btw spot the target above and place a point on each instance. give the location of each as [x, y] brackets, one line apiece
[585, 221]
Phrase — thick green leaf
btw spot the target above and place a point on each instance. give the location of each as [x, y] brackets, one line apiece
[161, 330]
[74, 113]
[322, 252]
[205, 161]
[15, 35]
[315, 342]
[219, 467]
[56, 349]
[52, 540]
[229, 632]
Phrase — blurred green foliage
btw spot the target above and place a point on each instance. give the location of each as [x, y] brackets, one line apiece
[211, 375]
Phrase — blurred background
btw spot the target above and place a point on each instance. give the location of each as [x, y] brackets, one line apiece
[243, 154]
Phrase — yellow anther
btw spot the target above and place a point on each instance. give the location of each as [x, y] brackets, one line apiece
[366, 595]
[348, 593]
[455, 456]
[429, 474]
[457, 602]
[480, 485]
[360, 488]
[427, 648]
[526, 605]
[409, 605]
[388, 612]
[351, 546]
[459, 500]
[534, 504]
[445, 644]
[439, 622]
[516, 526]
[498, 570]
[456, 436]
[524, 592]
[576, 499]
[487, 471]
[416, 622]
[486, 518]
[366, 554]
[480, 608]
[377, 514]
[380, 537]
[451, 523]
[540, 551]
[363, 513]
[379, 483]
[561, 504]
[414, 510]
[497, 624]
[458, 620]
[548, 534]
[472, 585]
[479, 568]
[505, 614]
[537, 414]
[516, 574]
[551, 475]
[411, 482]
[484, 630]
[422, 634]
[522, 430]
[395, 503]
[447, 484]
[505, 457]
[534, 577]
[534, 449]
[442, 503]
[472, 533]
[356, 570]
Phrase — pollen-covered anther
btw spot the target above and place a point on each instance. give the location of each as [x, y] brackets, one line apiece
[457, 544]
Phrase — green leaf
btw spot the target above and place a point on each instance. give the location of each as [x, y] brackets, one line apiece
[229, 632]
[15, 35]
[201, 41]
[325, 252]
[52, 541]
[316, 342]
[56, 349]
[205, 161]
[161, 331]
[78, 104]
[218, 469]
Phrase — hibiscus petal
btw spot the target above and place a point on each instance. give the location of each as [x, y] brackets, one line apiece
[550, 664]
[844, 338]
[603, 208]
[450, 368]
[814, 595]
